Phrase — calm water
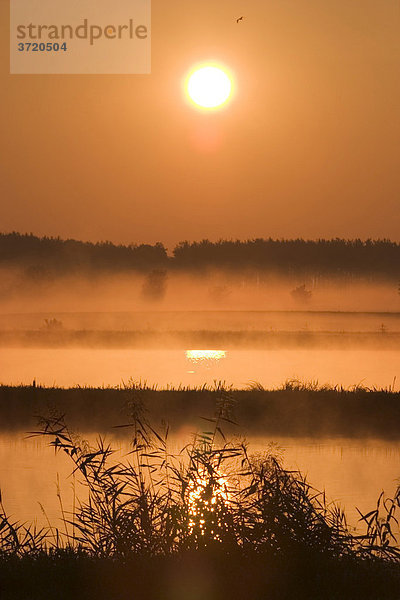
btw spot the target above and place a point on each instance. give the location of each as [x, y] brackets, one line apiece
[96, 367]
[353, 473]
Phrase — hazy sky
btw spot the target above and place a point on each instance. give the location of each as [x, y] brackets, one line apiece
[309, 147]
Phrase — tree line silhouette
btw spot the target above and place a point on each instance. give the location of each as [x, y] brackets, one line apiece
[340, 257]
[55, 254]
[336, 256]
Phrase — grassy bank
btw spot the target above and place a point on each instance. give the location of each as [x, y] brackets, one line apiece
[302, 410]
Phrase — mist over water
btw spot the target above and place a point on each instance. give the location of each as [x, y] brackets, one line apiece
[187, 329]
[106, 330]
[205, 290]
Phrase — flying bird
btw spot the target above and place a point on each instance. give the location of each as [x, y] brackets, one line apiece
[239, 19]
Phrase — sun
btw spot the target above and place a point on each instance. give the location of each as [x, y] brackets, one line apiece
[209, 86]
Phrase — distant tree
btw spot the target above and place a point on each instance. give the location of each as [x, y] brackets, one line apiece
[155, 285]
[301, 295]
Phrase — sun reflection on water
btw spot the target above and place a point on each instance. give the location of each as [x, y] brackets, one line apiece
[205, 355]
[208, 500]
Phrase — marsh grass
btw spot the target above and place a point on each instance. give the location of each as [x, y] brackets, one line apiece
[296, 408]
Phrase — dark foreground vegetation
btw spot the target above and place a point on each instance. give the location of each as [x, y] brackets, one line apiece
[296, 409]
[211, 522]
[45, 257]
[209, 575]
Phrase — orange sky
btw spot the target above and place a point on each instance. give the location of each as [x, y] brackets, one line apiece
[309, 147]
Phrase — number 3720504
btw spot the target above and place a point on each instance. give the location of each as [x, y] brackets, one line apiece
[41, 47]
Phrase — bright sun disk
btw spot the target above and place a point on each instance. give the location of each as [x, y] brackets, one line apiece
[209, 86]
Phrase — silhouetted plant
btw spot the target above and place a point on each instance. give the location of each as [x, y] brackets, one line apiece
[379, 538]
[18, 539]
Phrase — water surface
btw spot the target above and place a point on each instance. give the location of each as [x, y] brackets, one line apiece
[66, 367]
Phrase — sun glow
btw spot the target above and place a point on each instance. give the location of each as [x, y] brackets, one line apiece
[205, 355]
[209, 86]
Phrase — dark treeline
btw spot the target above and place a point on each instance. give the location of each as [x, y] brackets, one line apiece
[40, 254]
[287, 257]
[336, 256]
